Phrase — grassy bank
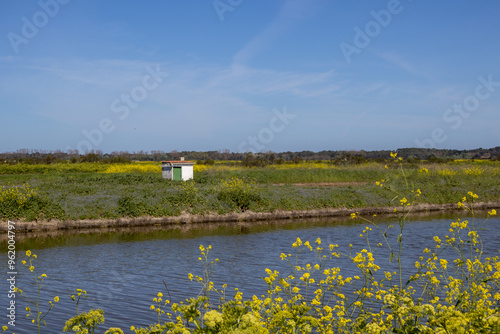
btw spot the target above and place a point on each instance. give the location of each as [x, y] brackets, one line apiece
[97, 191]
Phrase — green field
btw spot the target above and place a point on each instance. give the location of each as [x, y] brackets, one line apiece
[97, 191]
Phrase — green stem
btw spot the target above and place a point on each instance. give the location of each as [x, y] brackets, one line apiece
[400, 242]
[37, 299]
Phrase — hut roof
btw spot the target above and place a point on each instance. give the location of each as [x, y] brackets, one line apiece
[178, 162]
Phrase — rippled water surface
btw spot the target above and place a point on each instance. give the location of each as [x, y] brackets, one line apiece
[123, 270]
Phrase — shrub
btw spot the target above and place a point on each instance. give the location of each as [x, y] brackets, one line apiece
[241, 193]
[24, 202]
[130, 207]
[187, 194]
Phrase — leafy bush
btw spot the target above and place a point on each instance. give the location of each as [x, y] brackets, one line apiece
[128, 206]
[24, 202]
[187, 194]
[239, 192]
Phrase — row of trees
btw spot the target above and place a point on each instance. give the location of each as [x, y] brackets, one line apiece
[250, 159]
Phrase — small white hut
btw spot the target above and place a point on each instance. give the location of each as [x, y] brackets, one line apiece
[177, 170]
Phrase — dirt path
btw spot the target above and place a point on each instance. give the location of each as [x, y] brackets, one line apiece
[324, 184]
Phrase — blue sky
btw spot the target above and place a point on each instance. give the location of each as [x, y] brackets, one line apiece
[259, 75]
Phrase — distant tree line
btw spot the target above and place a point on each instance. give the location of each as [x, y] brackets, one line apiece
[412, 155]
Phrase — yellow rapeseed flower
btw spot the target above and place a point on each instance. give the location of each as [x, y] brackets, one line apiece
[471, 194]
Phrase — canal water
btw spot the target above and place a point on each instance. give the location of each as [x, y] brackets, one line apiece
[123, 269]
